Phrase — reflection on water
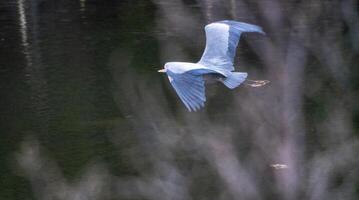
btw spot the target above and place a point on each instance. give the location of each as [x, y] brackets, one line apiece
[23, 24]
[85, 115]
[82, 5]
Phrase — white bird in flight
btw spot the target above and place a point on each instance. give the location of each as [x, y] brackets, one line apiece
[188, 79]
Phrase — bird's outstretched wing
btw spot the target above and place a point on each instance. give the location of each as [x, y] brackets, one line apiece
[221, 42]
[190, 89]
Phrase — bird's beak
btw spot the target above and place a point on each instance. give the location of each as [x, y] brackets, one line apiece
[162, 70]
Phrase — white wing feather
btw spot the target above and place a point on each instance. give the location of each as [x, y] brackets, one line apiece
[190, 89]
[221, 42]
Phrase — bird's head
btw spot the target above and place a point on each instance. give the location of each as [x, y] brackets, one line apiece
[174, 67]
[164, 70]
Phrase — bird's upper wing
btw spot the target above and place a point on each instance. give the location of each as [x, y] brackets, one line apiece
[221, 42]
[190, 89]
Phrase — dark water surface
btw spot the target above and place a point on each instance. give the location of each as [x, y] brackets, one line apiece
[85, 115]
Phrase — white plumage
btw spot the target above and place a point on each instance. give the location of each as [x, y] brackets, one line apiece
[216, 62]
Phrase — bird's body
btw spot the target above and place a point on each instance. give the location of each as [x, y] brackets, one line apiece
[216, 64]
[191, 68]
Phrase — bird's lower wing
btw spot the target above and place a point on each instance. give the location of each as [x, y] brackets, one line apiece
[190, 89]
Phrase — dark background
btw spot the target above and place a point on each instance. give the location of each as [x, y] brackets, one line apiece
[85, 115]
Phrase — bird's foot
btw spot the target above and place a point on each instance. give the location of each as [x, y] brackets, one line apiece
[256, 83]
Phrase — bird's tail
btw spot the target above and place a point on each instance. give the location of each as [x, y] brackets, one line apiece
[234, 79]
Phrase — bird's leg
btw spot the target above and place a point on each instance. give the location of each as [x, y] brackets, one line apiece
[255, 83]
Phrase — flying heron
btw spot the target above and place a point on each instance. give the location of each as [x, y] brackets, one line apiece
[216, 64]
